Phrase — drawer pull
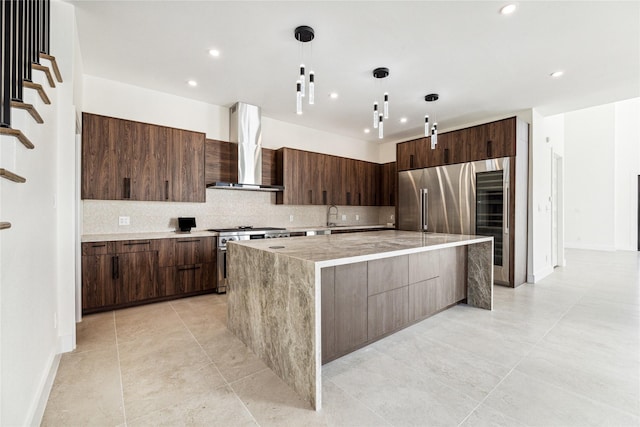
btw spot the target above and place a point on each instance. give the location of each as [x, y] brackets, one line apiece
[115, 268]
[188, 268]
[188, 241]
[99, 246]
[137, 243]
[127, 188]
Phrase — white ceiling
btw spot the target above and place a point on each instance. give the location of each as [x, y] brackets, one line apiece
[481, 63]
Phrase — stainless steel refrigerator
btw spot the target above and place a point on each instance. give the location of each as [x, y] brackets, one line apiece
[465, 198]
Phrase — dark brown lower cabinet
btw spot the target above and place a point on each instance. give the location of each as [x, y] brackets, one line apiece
[124, 273]
[351, 306]
[98, 289]
[427, 297]
[328, 313]
[111, 280]
[454, 273]
[136, 276]
[387, 312]
[193, 278]
[363, 302]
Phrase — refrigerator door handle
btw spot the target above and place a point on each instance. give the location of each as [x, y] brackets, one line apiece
[506, 209]
[424, 193]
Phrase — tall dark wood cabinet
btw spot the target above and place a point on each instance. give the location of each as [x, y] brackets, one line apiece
[388, 184]
[128, 160]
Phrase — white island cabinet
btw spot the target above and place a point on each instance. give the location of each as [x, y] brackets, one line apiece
[298, 302]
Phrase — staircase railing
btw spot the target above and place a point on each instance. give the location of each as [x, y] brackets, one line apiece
[25, 28]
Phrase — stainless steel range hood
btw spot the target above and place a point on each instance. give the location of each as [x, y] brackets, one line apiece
[245, 130]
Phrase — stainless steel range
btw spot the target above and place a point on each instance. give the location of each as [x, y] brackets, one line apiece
[240, 233]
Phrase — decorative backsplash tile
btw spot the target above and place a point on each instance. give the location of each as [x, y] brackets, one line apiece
[223, 209]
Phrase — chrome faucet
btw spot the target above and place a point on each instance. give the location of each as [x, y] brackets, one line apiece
[332, 224]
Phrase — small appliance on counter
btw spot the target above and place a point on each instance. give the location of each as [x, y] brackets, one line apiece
[185, 224]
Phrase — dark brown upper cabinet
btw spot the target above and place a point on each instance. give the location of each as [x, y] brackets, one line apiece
[127, 160]
[321, 179]
[487, 141]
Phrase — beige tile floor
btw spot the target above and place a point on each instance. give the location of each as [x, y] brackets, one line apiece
[563, 352]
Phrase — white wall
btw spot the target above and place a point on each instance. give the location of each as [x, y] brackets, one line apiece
[36, 254]
[276, 134]
[116, 99]
[590, 195]
[627, 169]
[107, 97]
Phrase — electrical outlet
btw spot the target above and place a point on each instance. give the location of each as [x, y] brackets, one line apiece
[123, 220]
[391, 216]
[357, 217]
[344, 217]
[290, 218]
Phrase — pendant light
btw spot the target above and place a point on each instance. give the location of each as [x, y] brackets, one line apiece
[298, 97]
[376, 119]
[304, 34]
[381, 73]
[433, 132]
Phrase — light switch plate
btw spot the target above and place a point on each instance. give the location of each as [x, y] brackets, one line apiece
[344, 217]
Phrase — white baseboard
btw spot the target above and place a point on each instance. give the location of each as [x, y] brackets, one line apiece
[539, 275]
[575, 245]
[66, 343]
[34, 417]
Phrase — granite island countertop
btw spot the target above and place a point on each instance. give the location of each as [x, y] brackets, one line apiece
[275, 290]
[337, 249]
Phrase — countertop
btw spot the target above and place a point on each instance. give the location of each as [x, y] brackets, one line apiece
[144, 236]
[338, 249]
[205, 233]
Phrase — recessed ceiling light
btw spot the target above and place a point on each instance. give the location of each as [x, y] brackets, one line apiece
[214, 52]
[556, 74]
[403, 120]
[367, 130]
[508, 9]
[333, 95]
[192, 83]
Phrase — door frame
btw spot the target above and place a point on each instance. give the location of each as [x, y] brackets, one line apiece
[557, 209]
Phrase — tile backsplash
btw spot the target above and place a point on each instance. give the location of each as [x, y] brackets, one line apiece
[223, 209]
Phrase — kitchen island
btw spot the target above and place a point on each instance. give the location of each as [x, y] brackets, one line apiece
[283, 292]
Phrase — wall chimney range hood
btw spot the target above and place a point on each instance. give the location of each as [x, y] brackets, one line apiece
[245, 130]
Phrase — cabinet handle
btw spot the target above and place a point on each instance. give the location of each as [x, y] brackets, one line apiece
[324, 197]
[127, 188]
[348, 198]
[137, 243]
[490, 149]
[188, 268]
[115, 268]
[411, 160]
[446, 155]
[310, 197]
[188, 241]
[166, 190]
[359, 200]
[391, 201]
[99, 246]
